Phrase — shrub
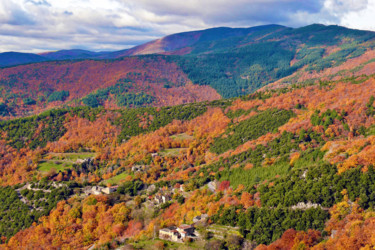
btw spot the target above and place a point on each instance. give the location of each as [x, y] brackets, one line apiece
[58, 96]
[29, 101]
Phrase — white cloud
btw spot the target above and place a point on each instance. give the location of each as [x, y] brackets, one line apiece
[340, 7]
[363, 19]
[39, 25]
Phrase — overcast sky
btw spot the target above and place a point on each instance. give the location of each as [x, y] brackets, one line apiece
[47, 25]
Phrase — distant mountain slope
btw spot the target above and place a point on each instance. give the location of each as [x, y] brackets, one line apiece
[71, 54]
[226, 62]
[15, 58]
[214, 39]
[183, 43]
[240, 65]
[125, 82]
[237, 61]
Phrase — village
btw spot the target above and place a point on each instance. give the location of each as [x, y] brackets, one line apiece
[155, 197]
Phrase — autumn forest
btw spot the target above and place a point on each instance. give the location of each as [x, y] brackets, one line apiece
[260, 139]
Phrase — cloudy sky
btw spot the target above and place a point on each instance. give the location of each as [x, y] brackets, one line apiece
[101, 25]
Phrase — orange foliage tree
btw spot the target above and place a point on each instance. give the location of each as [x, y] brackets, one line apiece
[75, 224]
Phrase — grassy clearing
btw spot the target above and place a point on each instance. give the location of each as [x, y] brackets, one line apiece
[69, 156]
[221, 231]
[151, 245]
[182, 136]
[61, 161]
[58, 166]
[172, 152]
[255, 175]
[116, 179]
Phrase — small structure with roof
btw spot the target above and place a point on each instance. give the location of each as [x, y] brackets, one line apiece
[162, 198]
[186, 230]
[109, 190]
[96, 190]
[200, 218]
[169, 233]
[212, 186]
[178, 234]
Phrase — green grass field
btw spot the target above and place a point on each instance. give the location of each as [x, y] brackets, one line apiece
[151, 245]
[70, 156]
[116, 179]
[223, 230]
[255, 175]
[61, 161]
[58, 166]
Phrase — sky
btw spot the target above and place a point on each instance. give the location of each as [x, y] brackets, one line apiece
[104, 25]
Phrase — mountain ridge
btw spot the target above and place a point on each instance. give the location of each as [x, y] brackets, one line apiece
[166, 44]
[225, 62]
[15, 58]
[170, 40]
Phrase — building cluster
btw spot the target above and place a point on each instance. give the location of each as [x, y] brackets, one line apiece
[180, 234]
[163, 195]
[162, 198]
[183, 232]
[96, 190]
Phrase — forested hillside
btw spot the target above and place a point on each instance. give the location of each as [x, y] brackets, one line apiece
[251, 138]
[291, 166]
[127, 82]
[186, 67]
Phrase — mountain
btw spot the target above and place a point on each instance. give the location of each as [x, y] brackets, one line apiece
[15, 58]
[71, 54]
[236, 66]
[173, 44]
[188, 42]
[225, 62]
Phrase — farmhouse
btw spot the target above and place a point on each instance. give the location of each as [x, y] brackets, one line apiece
[96, 190]
[186, 230]
[169, 233]
[178, 234]
[109, 190]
